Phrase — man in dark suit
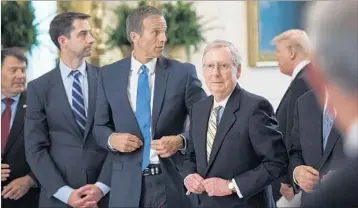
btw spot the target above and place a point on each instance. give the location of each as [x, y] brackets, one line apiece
[315, 146]
[60, 146]
[143, 102]
[292, 53]
[236, 150]
[19, 188]
[337, 34]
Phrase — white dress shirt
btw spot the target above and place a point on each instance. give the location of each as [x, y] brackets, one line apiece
[299, 68]
[64, 192]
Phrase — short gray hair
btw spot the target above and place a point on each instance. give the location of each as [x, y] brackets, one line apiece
[235, 55]
[134, 21]
[335, 37]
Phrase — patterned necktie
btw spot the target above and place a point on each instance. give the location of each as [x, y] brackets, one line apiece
[327, 126]
[78, 104]
[212, 126]
[143, 112]
[5, 121]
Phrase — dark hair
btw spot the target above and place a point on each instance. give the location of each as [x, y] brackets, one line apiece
[14, 51]
[62, 25]
[135, 19]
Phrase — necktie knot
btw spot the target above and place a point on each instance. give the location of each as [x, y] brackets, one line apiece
[144, 69]
[8, 101]
[217, 108]
[75, 73]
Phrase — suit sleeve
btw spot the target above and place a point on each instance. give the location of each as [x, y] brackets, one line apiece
[193, 93]
[106, 172]
[103, 123]
[190, 158]
[268, 146]
[37, 144]
[294, 147]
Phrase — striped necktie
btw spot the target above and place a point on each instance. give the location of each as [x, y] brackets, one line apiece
[212, 126]
[78, 104]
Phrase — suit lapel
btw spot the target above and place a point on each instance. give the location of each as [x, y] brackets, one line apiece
[121, 97]
[60, 93]
[18, 124]
[92, 91]
[227, 120]
[161, 78]
[316, 142]
[331, 142]
[202, 128]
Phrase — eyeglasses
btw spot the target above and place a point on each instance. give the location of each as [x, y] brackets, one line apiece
[219, 66]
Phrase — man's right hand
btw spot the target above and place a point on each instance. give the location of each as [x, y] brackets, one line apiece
[193, 183]
[77, 197]
[287, 191]
[5, 172]
[307, 177]
[124, 142]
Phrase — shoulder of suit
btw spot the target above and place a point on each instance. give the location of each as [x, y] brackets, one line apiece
[175, 64]
[307, 95]
[45, 78]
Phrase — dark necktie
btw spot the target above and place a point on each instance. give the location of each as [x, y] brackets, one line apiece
[5, 121]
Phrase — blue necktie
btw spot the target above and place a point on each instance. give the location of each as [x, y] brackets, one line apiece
[78, 104]
[143, 112]
[327, 126]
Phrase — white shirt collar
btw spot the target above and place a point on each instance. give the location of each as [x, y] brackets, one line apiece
[223, 102]
[135, 65]
[299, 68]
[351, 141]
[65, 70]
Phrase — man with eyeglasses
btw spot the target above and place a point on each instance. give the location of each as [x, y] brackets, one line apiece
[236, 150]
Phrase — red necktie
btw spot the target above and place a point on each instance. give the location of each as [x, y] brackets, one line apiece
[5, 122]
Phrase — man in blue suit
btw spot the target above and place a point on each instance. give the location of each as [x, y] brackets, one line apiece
[60, 146]
[143, 102]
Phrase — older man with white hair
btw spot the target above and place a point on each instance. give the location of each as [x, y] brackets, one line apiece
[292, 53]
[335, 33]
[236, 150]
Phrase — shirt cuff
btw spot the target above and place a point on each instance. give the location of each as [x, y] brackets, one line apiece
[109, 144]
[104, 188]
[63, 194]
[294, 178]
[237, 189]
[184, 144]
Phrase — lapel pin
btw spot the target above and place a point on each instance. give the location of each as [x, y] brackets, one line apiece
[24, 106]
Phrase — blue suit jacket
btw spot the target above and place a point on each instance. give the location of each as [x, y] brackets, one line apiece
[176, 89]
[56, 150]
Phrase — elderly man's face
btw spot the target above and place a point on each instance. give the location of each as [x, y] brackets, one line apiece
[284, 58]
[219, 73]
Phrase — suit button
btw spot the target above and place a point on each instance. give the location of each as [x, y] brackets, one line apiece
[83, 170]
[139, 164]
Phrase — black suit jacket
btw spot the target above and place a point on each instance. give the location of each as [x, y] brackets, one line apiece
[176, 89]
[14, 155]
[247, 147]
[284, 115]
[56, 150]
[340, 190]
[305, 145]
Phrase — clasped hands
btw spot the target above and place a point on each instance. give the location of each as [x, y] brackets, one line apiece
[85, 197]
[165, 146]
[307, 177]
[213, 186]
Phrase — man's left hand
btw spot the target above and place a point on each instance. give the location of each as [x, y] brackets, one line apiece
[92, 193]
[17, 188]
[216, 187]
[167, 145]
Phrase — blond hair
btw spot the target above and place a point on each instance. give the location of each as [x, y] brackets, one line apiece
[294, 38]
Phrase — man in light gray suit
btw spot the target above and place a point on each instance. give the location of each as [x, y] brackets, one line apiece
[143, 102]
[60, 147]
